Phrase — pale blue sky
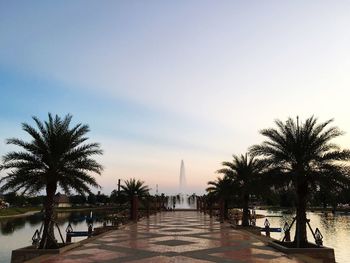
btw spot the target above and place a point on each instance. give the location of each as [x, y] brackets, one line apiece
[161, 81]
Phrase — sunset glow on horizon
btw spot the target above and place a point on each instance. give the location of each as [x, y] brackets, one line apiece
[163, 81]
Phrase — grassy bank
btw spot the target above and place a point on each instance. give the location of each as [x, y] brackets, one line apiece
[329, 209]
[85, 208]
[14, 211]
[310, 209]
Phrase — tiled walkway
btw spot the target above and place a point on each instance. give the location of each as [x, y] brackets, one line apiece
[174, 237]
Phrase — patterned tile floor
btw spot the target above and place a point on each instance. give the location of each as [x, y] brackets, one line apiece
[174, 237]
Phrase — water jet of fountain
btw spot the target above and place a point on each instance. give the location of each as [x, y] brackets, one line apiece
[181, 200]
[182, 185]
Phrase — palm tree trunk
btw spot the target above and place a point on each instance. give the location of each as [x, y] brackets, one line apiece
[132, 207]
[48, 239]
[222, 210]
[225, 209]
[245, 216]
[300, 238]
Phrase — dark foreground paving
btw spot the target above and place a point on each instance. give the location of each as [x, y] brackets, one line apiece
[176, 237]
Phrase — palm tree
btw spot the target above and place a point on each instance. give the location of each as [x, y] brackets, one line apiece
[244, 171]
[221, 189]
[57, 156]
[134, 187]
[304, 155]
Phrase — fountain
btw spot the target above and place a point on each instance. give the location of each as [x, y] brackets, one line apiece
[182, 185]
[181, 200]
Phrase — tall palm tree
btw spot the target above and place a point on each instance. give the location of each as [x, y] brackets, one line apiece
[222, 190]
[244, 171]
[57, 156]
[305, 156]
[134, 187]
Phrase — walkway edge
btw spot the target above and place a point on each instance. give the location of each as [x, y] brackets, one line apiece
[76, 245]
[268, 241]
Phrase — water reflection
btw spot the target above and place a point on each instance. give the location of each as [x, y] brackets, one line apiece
[17, 232]
[34, 219]
[9, 226]
[335, 229]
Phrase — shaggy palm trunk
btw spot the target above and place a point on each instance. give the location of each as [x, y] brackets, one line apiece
[225, 209]
[222, 210]
[48, 238]
[300, 238]
[245, 216]
[210, 209]
[132, 207]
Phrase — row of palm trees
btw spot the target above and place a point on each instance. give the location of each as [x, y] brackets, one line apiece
[239, 176]
[58, 155]
[298, 155]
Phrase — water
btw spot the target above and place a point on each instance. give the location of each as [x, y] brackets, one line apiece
[334, 228]
[182, 201]
[17, 232]
[182, 184]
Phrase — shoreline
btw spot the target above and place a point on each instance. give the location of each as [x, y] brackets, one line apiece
[60, 210]
[71, 209]
[310, 209]
[29, 213]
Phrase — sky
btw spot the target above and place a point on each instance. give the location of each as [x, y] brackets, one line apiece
[163, 81]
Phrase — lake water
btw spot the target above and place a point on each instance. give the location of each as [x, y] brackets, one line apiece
[17, 232]
[334, 228]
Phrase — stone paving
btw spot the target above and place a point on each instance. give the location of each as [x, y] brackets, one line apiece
[174, 237]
